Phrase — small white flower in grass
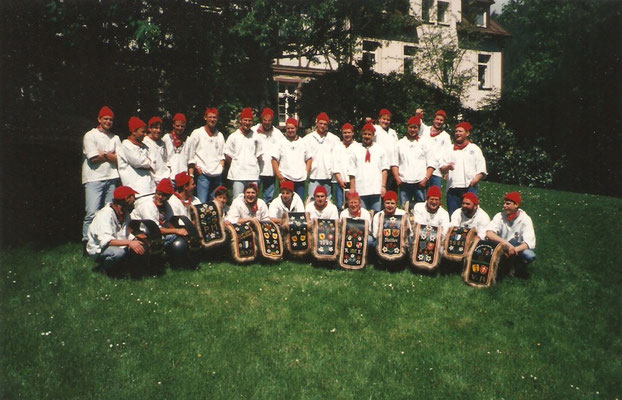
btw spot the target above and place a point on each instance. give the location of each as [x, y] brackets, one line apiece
[333, 330]
[159, 382]
[402, 352]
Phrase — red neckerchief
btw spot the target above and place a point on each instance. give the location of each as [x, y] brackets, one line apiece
[512, 217]
[184, 202]
[131, 139]
[161, 213]
[367, 155]
[253, 206]
[417, 137]
[177, 141]
[209, 132]
[118, 211]
[434, 132]
[461, 146]
[389, 214]
[99, 128]
[357, 215]
[320, 209]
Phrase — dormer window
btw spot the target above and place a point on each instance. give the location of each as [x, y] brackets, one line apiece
[481, 18]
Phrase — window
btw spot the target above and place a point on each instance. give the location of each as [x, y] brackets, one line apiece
[409, 52]
[483, 72]
[287, 100]
[426, 10]
[441, 15]
[481, 18]
[369, 52]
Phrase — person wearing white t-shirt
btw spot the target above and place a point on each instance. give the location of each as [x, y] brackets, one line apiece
[157, 149]
[465, 166]
[342, 156]
[368, 170]
[321, 143]
[99, 167]
[291, 159]
[513, 228]
[287, 202]
[354, 209]
[176, 148]
[470, 215]
[320, 207]
[413, 165]
[390, 209]
[109, 238]
[135, 166]
[247, 206]
[183, 198]
[242, 150]
[270, 137]
[440, 143]
[431, 213]
[206, 157]
[387, 138]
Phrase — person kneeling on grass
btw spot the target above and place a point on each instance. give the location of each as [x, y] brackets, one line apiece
[287, 202]
[247, 206]
[390, 209]
[513, 228]
[354, 209]
[109, 239]
[320, 207]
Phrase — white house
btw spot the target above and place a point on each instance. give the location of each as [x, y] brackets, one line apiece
[464, 24]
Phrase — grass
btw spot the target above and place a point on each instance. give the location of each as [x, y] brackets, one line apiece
[292, 330]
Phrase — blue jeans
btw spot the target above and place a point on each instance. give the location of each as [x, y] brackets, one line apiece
[315, 183]
[371, 243]
[454, 197]
[339, 196]
[112, 256]
[238, 187]
[527, 256]
[96, 195]
[267, 185]
[206, 185]
[299, 188]
[412, 193]
[371, 202]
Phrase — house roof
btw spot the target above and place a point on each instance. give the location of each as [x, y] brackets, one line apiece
[493, 28]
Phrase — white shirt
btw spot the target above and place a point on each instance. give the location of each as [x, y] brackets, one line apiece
[422, 216]
[146, 209]
[368, 175]
[93, 142]
[376, 222]
[244, 151]
[157, 154]
[329, 212]
[240, 210]
[342, 160]
[520, 229]
[468, 162]
[291, 157]
[269, 140]
[177, 156]
[479, 221]
[206, 152]
[365, 215]
[439, 146]
[320, 149]
[277, 209]
[412, 159]
[387, 139]
[135, 167]
[179, 208]
[104, 228]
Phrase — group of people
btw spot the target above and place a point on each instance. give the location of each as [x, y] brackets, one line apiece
[154, 176]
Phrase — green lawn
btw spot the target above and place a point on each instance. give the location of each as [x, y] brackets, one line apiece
[291, 330]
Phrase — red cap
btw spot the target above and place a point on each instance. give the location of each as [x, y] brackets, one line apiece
[267, 111]
[384, 111]
[434, 191]
[105, 111]
[246, 113]
[154, 120]
[440, 112]
[165, 186]
[291, 121]
[122, 192]
[347, 125]
[471, 196]
[212, 110]
[322, 117]
[353, 195]
[513, 196]
[135, 123]
[368, 127]
[179, 117]
[289, 185]
[414, 121]
[465, 125]
[219, 188]
[181, 179]
[390, 195]
[319, 189]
